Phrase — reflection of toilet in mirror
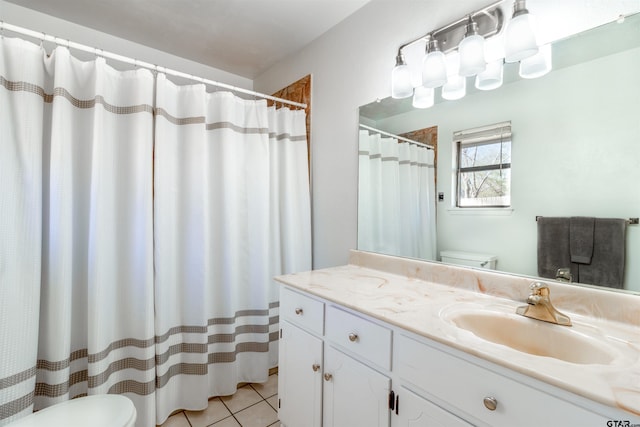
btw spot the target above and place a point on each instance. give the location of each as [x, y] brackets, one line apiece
[469, 259]
[104, 410]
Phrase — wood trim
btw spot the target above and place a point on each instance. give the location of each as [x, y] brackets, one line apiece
[299, 91]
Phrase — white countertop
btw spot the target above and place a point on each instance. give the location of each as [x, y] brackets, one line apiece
[412, 300]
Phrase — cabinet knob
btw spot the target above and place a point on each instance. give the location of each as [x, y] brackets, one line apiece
[298, 311]
[328, 377]
[353, 337]
[315, 367]
[491, 403]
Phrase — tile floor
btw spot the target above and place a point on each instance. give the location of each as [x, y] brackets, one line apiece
[254, 405]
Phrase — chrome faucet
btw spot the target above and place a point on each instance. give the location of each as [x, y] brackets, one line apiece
[539, 306]
[564, 275]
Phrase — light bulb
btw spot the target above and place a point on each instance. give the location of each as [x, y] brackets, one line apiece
[423, 97]
[537, 65]
[456, 86]
[401, 86]
[434, 69]
[491, 78]
[471, 50]
[520, 41]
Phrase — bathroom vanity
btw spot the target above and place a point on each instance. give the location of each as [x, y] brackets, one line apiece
[387, 341]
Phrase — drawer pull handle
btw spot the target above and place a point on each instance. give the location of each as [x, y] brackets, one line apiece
[315, 367]
[299, 311]
[491, 403]
[353, 337]
[328, 377]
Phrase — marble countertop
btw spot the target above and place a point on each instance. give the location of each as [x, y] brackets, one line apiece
[410, 300]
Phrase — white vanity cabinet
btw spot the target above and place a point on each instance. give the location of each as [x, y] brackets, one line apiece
[415, 411]
[341, 368]
[321, 378]
[478, 394]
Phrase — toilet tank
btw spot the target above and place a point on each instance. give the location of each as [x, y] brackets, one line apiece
[470, 259]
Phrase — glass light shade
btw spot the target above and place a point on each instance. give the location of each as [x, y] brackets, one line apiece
[520, 39]
[455, 88]
[491, 78]
[471, 50]
[434, 69]
[423, 97]
[401, 86]
[538, 65]
[494, 48]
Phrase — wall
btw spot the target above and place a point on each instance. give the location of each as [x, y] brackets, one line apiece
[574, 153]
[36, 21]
[350, 66]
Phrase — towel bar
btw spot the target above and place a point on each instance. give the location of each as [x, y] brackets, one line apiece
[632, 221]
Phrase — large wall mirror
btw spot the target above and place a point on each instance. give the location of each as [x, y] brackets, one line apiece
[575, 149]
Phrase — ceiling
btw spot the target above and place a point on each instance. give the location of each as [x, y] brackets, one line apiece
[243, 37]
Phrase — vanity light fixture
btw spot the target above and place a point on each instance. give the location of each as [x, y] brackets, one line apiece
[401, 86]
[520, 39]
[476, 45]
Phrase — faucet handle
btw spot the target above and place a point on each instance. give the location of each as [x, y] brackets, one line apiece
[538, 288]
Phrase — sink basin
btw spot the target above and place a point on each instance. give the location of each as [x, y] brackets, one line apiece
[533, 336]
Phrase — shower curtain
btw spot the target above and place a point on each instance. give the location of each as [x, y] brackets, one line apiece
[232, 210]
[396, 204]
[89, 303]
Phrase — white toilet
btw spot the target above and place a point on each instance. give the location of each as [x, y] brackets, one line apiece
[469, 259]
[102, 410]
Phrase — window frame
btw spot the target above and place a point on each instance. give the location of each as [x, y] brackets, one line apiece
[498, 133]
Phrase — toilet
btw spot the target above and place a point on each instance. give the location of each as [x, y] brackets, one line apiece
[469, 259]
[101, 410]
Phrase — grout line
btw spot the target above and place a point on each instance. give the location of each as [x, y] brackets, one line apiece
[184, 414]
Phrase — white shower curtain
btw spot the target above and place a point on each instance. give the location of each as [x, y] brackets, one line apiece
[76, 147]
[89, 303]
[396, 204]
[229, 182]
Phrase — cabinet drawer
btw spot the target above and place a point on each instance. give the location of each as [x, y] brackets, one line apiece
[302, 310]
[465, 385]
[359, 336]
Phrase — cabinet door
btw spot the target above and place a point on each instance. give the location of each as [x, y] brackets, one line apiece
[414, 411]
[354, 394]
[299, 378]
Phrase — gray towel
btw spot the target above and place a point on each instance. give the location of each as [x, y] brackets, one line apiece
[581, 239]
[607, 262]
[553, 246]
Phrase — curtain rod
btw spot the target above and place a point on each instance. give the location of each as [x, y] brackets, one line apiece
[127, 60]
[430, 147]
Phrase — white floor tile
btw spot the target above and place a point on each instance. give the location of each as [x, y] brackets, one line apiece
[273, 401]
[227, 422]
[177, 420]
[215, 412]
[259, 415]
[244, 397]
[267, 389]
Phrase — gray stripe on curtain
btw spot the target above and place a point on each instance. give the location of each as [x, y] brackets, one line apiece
[78, 103]
[181, 121]
[9, 409]
[132, 386]
[14, 379]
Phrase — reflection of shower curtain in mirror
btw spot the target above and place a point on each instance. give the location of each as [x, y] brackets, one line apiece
[396, 197]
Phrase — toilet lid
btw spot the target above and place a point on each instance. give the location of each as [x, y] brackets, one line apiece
[102, 410]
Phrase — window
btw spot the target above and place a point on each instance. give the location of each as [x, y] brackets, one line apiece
[484, 166]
